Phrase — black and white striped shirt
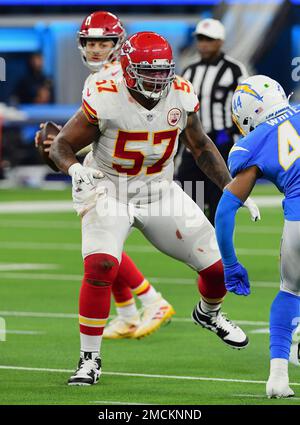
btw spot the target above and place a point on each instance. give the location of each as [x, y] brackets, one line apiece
[215, 83]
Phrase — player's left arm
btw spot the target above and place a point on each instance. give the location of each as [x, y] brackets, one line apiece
[204, 151]
[209, 159]
[234, 196]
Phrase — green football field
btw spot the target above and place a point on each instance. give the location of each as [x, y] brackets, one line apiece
[40, 276]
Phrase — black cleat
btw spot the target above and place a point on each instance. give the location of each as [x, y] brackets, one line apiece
[88, 371]
[216, 322]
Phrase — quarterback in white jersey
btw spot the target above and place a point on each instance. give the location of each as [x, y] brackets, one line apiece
[109, 71]
[139, 120]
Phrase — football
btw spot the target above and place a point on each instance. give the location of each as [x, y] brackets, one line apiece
[50, 128]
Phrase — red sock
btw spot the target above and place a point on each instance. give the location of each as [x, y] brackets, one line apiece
[122, 293]
[211, 283]
[129, 276]
[94, 300]
[94, 307]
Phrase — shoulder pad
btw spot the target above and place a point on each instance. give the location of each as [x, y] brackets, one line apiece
[102, 96]
[238, 159]
[186, 94]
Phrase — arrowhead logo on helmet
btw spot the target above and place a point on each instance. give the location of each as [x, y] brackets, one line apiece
[126, 48]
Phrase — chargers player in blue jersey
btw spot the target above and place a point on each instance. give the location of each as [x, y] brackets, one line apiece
[270, 149]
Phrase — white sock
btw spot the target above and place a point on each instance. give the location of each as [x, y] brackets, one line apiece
[209, 308]
[149, 297]
[128, 311]
[279, 368]
[90, 343]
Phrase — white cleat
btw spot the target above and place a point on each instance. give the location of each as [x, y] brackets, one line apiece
[120, 328]
[278, 387]
[153, 316]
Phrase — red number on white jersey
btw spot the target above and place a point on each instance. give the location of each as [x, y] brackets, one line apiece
[106, 85]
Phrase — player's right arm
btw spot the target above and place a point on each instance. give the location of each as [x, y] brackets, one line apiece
[78, 133]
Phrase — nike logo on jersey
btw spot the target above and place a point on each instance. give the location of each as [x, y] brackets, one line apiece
[114, 73]
[88, 93]
[237, 148]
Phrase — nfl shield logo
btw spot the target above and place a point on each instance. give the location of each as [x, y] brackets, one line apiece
[149, 117]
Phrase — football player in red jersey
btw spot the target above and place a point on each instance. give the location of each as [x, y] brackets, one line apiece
[99, 40]
[140, 119]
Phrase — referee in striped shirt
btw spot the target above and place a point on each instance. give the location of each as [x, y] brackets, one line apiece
[214, 78]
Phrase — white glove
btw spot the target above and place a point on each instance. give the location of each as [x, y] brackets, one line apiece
[85, 197]
[253, 209]
[80, 174]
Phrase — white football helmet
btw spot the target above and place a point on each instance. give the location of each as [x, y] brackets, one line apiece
[256, 100]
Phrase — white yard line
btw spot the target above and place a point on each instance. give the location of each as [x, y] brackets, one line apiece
[268, 201]
[251, 323]
[256, 228]
[262, 284]
[263, 331]
[156, 280]
[39, 224]
[141, 375]
[16, 332]
[75, 277]
[37, 246]
[249, 395]
[46, 315]
[43, 276]
[239, 322]
[75, 225]
[262, 396]
[138, 375]
[27, 266]
[20, 207]
[258, 252]
[35, 207]
[55, 246]
[38, 314]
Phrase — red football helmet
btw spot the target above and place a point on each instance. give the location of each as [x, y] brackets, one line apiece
[147, 64]
[105, 26]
